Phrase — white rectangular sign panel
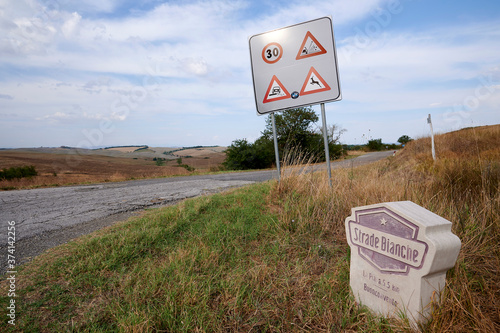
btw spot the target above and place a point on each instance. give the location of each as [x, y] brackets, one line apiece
[295, 66]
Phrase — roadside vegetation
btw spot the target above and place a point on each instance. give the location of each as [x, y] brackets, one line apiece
[27, 171]
[273, 257]
[296, 129]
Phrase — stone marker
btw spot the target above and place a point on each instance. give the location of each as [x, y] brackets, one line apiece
[400, 253]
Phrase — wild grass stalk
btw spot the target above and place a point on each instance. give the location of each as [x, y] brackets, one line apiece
[461, 186]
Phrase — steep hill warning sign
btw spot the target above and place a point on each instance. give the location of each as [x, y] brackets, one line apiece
[295, 66]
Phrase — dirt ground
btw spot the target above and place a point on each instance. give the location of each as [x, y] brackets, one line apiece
[83, 167]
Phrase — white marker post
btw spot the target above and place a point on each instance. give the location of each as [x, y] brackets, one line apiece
[429, 121]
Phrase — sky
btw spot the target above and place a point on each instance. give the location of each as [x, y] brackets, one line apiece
[96, 73]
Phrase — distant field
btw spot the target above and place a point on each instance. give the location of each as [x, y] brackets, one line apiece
[200, 152]
[62, 166]
[123, 149]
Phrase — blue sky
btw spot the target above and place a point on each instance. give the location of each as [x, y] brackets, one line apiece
[177, 73]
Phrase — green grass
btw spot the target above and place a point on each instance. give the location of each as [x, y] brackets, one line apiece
[215, 263]
[212, 263]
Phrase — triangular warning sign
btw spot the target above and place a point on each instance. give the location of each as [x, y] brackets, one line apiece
[314, 83]
[276, 91]
[310, 47]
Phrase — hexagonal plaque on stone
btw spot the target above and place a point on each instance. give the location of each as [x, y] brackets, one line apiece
[400, 253]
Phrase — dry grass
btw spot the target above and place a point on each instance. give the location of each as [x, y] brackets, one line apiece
[355, 153]
[461, 186]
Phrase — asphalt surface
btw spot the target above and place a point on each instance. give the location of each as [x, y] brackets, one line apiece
[43, 218]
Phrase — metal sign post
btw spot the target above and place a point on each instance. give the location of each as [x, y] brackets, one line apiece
[327, 148]
[276, 152]
[293, 67]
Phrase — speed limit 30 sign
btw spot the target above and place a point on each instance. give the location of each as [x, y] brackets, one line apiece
[295, 66]
[272, 53]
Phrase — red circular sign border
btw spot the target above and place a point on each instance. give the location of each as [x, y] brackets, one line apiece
[265, 48]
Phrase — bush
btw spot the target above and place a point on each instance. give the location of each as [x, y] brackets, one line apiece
[294, 131]
[159, 161]
[18, 172]
[242, 155]
[375, 144]
[187, 167]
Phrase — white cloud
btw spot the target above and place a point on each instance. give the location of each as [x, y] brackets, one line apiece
[90, 6]
[57, 115]
[405, 64]
[342, 12]
[177, 23]
[204, 35]
[70, 26]
[80, 64]
[195, 66]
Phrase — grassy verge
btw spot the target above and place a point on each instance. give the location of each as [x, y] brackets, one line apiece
[215, 263]
[271, 257]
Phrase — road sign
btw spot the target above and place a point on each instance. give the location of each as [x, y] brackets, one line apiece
[276, 91]
[310, 47]
[295, 66]
[272, 53]
[314, 83]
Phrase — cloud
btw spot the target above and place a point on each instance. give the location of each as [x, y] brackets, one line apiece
[89, 6]
[342, 12]
[404, 62]
[70, 26]
[174, 23]
[205, 36]
[77, 114]
[197, 67]
[191, 58]
[96, 86]
[5, 96]
[57, 116]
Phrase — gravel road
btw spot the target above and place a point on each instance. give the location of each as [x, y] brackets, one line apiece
[47, 217]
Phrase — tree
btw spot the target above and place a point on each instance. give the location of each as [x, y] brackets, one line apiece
[375, 144]
[241, 155]
[404, 139]
[293, 127]
[296, 130]
[333, 132]
[159, 161]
